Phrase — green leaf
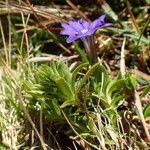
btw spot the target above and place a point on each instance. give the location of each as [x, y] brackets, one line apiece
[56, 80]
[117, 100]
[81, 52]
[132, 80]
[133, 35]
[65, 88]
[142, 81]
[3, 147]
[33, 89]
[100, 74]
[68, 103]
[77, 69]
[56, 107]
[146, 110]
[148, 1]
[87, 75]
[109, 142]
[145, 91]
[113, 86]
[91, 126]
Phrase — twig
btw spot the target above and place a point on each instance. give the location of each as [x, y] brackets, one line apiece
[134, 23]
[9, 42]
[82, 14]
[52, 57]
[141, 74]
[46, 12]
[4, 43]
[45, 27]
[53, 136]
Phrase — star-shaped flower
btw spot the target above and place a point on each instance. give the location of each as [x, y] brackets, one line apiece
[82, 29]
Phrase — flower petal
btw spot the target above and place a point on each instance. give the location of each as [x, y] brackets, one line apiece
[84, 23]
[75, 25]
[82, 29]
[67, 32]
[67, 27]
[106, 25]
[71, 39]
[97, 23]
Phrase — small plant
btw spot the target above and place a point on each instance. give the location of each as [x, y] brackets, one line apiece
[52, 99]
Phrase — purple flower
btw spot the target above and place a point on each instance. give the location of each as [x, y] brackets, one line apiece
[82, 29]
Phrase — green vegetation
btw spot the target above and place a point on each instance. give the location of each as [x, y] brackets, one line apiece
[52, 97]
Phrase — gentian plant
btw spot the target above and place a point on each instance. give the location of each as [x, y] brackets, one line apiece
[84, 30]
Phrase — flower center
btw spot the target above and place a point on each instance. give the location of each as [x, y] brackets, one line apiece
[84, 31]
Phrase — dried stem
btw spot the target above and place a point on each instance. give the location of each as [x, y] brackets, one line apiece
[141, 74]
[4, 43]
[82, 14]
[134, 23]
[122, 60]
[140, 111]
[22, 104]
[45, 27]
[41, 119]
